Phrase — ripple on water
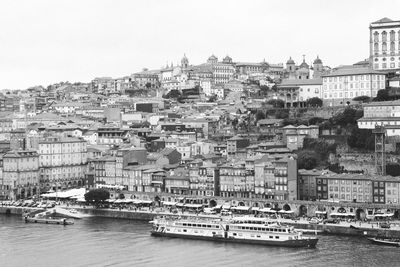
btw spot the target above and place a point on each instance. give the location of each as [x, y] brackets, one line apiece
[110, 242]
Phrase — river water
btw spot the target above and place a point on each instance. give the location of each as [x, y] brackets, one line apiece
[115, 242]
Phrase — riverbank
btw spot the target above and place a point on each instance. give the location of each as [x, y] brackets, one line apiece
[343, 228]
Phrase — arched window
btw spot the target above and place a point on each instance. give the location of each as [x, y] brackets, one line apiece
[391, 46]
[376, 36]
[384, 36]
[376, 46]
[392, 35]
[384, 46]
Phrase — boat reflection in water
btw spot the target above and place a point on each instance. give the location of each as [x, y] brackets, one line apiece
[241, 230]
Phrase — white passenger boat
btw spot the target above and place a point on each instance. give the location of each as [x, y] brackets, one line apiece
[234, 230]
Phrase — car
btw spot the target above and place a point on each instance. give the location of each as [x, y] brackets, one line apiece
[335, 221]
[384, 225]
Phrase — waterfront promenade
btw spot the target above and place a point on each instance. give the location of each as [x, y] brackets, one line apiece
[355, 228]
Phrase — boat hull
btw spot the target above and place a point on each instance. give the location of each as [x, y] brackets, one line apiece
[304, 243]
[384, 242]
[47, 221]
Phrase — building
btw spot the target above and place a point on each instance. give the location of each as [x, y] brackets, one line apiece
[385, 44]
[341, 85]
[386, 113]
[177, 181]
[303, 89]
[20, 174]
[62, 162]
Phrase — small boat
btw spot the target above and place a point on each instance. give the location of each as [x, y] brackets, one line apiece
[62, 221]
[385, 241]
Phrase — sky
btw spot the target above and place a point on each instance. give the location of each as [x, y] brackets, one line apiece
[47, 41]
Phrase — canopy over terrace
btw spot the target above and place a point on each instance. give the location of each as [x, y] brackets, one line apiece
[107, 186]
[77, 193]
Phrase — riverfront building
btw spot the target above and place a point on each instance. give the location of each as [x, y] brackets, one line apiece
[20, 174]
[62, 162]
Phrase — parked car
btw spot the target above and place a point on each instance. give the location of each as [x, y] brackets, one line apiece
[331, 220]
[384, 225]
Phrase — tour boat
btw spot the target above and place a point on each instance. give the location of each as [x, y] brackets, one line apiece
[234, 230]
[385, 241]
[62, 221]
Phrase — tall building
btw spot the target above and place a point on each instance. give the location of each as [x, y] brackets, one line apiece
[20, 174]
[385, 44]
[63, 162]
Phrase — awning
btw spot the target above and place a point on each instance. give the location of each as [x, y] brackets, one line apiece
[286, 211]
[255, 208]
[167, 203]
[242, 208]
[110, 200]
[384, 215]
[320, 212]
[193, 206]
[269, 210]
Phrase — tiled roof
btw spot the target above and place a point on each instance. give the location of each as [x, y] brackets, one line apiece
[345, 71]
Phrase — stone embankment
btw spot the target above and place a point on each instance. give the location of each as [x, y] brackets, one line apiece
[343, 228]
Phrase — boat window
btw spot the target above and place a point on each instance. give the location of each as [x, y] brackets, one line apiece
[276, 237]
[234, 234]
[213, 233]
[208, 226]
[184, 230]
[217, 226]
[251, 228]
[279, 230]
[189, 224]
[258, 236]
[184, 224]
[271, 236]
[199, 225]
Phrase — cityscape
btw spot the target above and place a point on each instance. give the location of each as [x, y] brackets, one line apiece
[290, 153]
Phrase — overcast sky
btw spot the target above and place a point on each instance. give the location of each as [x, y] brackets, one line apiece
[44, 42]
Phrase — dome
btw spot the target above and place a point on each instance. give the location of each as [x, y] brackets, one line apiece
[290, 61]
[317, 61]
[227, 59]
[304, 65]
[212, 58]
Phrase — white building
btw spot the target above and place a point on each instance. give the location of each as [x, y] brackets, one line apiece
[341, 85]
[385, 44]
[385, 113]
[306, 88]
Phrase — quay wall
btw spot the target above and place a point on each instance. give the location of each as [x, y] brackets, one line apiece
[148, 216]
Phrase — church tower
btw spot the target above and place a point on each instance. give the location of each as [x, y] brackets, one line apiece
[184, 62]
[291, 68]
[318, 67]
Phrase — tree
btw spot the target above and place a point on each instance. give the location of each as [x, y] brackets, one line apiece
[348, 117]
[307, 159]
[315, 120]
[212, 98]
[148, 85]
[97, 196]
[362, 98]
[282, 114]
[175, 94]
[383, 95]
[276, 103]
[393, 169]
[361, 139]
[314, 102]
[260, 115]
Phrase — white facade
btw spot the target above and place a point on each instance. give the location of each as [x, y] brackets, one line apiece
[344, 85]
[385, 44]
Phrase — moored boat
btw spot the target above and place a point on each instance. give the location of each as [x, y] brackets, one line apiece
[61, 221]
[385, 241]
[239, 231]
